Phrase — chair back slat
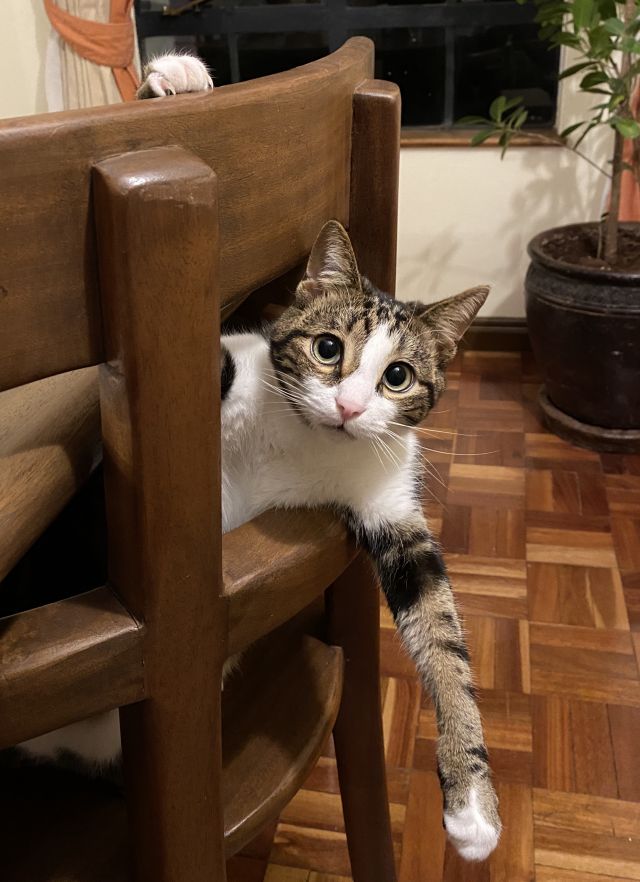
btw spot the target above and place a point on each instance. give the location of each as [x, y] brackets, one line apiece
[281, 150]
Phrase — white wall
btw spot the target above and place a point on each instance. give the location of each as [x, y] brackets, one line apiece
[465, 215]
[23, 41]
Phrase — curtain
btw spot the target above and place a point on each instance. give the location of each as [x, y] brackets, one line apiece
[92, 54]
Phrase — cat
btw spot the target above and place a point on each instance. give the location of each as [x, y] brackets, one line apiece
[319, 409]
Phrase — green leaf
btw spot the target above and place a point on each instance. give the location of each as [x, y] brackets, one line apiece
[574, 69]
[607, 8]
[520, 119]
[584, 134]
[497, 108]
[593, 79]
[512, 102]
[480, 137]
[566, 132]
[628, 128]
[473, 121]
[563, 39]
[614, 26]
[582, 12]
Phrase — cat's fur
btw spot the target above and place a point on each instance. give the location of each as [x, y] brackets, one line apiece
[297, 431]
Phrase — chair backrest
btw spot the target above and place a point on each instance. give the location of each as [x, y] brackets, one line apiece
[281, 149]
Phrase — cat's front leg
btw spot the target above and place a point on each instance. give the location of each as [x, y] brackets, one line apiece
[415, 582]
[172, 74]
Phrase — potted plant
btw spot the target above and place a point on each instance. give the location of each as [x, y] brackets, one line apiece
[583, 283]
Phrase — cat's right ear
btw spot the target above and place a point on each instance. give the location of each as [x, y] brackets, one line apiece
[332, 264]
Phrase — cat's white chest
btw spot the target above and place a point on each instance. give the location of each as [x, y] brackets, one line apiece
[272, 458]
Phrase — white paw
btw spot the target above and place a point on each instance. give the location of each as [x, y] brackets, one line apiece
[472, 833]
[174, 74]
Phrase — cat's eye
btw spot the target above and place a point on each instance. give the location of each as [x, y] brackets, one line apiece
[398, 377]
[327, 349]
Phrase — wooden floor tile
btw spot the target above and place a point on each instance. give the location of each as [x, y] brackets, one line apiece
[424, 839]
[542, 543]
[551, 544]
[493, 486]
[574, 595]
[545, 451]
[623, 493]
[497, 532]
[584, 663]
[554, 874]
[400, 709]
[311, 849]
[626, 537]
[553, 490]
[587, 834]
[512, 861]
[492, 586]
[625, 739]
[490, 448]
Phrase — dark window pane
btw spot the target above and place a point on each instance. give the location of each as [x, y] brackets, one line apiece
[507, 61]
[414, 58]
[264, 54]
[214, 51]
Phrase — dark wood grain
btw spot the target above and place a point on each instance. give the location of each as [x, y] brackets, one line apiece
[274, 732]
[65, 661]
[162, 479]
[373, 200]
[274, 143]
[294, 556]
[49, 443]
[358, 731]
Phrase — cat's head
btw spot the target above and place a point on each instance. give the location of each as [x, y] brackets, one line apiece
[348, 357]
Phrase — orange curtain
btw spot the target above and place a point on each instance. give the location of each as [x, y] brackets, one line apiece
[111, 44]
[630, 194]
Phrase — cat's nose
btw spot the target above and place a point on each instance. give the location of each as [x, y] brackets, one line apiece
[349, 409]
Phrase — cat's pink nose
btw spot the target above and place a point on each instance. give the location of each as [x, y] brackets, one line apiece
[348, 409]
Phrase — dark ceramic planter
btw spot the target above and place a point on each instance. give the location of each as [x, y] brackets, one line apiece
[584, 326]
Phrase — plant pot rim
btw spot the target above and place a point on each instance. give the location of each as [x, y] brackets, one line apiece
[537, 253]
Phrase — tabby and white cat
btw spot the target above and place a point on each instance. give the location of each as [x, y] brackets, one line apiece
[318, 410]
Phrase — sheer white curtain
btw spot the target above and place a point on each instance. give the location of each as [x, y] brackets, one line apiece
[92, 53]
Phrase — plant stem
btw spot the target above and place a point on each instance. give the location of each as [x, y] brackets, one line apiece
[613, 218]
[548, 139]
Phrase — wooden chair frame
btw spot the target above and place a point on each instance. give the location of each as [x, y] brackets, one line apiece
[154, 640]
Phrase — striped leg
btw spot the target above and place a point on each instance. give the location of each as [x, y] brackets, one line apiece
[418, 591]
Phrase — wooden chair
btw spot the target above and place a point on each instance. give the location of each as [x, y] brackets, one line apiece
[126, 232]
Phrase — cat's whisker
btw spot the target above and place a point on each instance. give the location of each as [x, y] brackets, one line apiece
[430, 467]
[374, 446]
[432, 429]
[392, 455]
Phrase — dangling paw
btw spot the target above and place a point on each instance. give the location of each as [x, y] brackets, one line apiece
[474, 828]
[173, 74]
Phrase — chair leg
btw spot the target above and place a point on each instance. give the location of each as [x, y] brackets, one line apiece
[354, 621]
[172, 780]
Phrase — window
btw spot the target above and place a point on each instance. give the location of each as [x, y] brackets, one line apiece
[450, 58]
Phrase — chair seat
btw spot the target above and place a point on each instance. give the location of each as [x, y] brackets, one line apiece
[277, 715]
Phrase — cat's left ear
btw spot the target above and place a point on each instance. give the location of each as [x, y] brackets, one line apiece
[331, 264]
[450, 318]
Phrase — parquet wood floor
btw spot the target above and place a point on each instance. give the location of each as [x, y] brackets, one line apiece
[542, 541]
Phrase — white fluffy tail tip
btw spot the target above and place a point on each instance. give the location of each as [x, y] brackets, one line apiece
[473, 836]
